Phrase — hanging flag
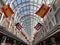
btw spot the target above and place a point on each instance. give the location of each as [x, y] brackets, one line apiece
[18, 26]
[43, 10]
[22, 33]
[7, 10]
[38, 26]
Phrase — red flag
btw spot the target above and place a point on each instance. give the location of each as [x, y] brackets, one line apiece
[38, 26]
[22, 33]
[18, 26]
[7, 10]
[43, 10]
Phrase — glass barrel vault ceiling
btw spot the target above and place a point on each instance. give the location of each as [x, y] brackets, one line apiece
[25, 13]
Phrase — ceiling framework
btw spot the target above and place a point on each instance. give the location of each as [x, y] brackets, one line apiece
[24, 13]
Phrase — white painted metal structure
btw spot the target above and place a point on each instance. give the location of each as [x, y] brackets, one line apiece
[24, 13]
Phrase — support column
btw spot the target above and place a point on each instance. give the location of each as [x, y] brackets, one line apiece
[44, 42]
[53, 41]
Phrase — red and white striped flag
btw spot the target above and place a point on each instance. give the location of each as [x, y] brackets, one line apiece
[18, 26]
[38, 26]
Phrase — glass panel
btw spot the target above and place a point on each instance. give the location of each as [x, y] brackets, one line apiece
[9, 1]
[27, 0]
[24, 7]
[21, 10]
[23, 0]
[31, 7]
[35, 0]
[19, 1]
[35, 8]
[12, 6]
[28, 7]
[31, 0]
[15, 3]
[39, 1]
[28, 12]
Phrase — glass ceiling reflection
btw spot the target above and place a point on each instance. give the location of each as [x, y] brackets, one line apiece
[26, 7]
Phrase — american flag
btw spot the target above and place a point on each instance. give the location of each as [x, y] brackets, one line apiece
[38, 26]
[18, 26]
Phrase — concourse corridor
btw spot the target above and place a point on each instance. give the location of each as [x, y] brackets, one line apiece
[29, 22]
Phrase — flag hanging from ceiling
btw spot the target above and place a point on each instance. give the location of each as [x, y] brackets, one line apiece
[18, 26]
[43, 10]
[22, 33]
[38, 26]
[7, 10]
